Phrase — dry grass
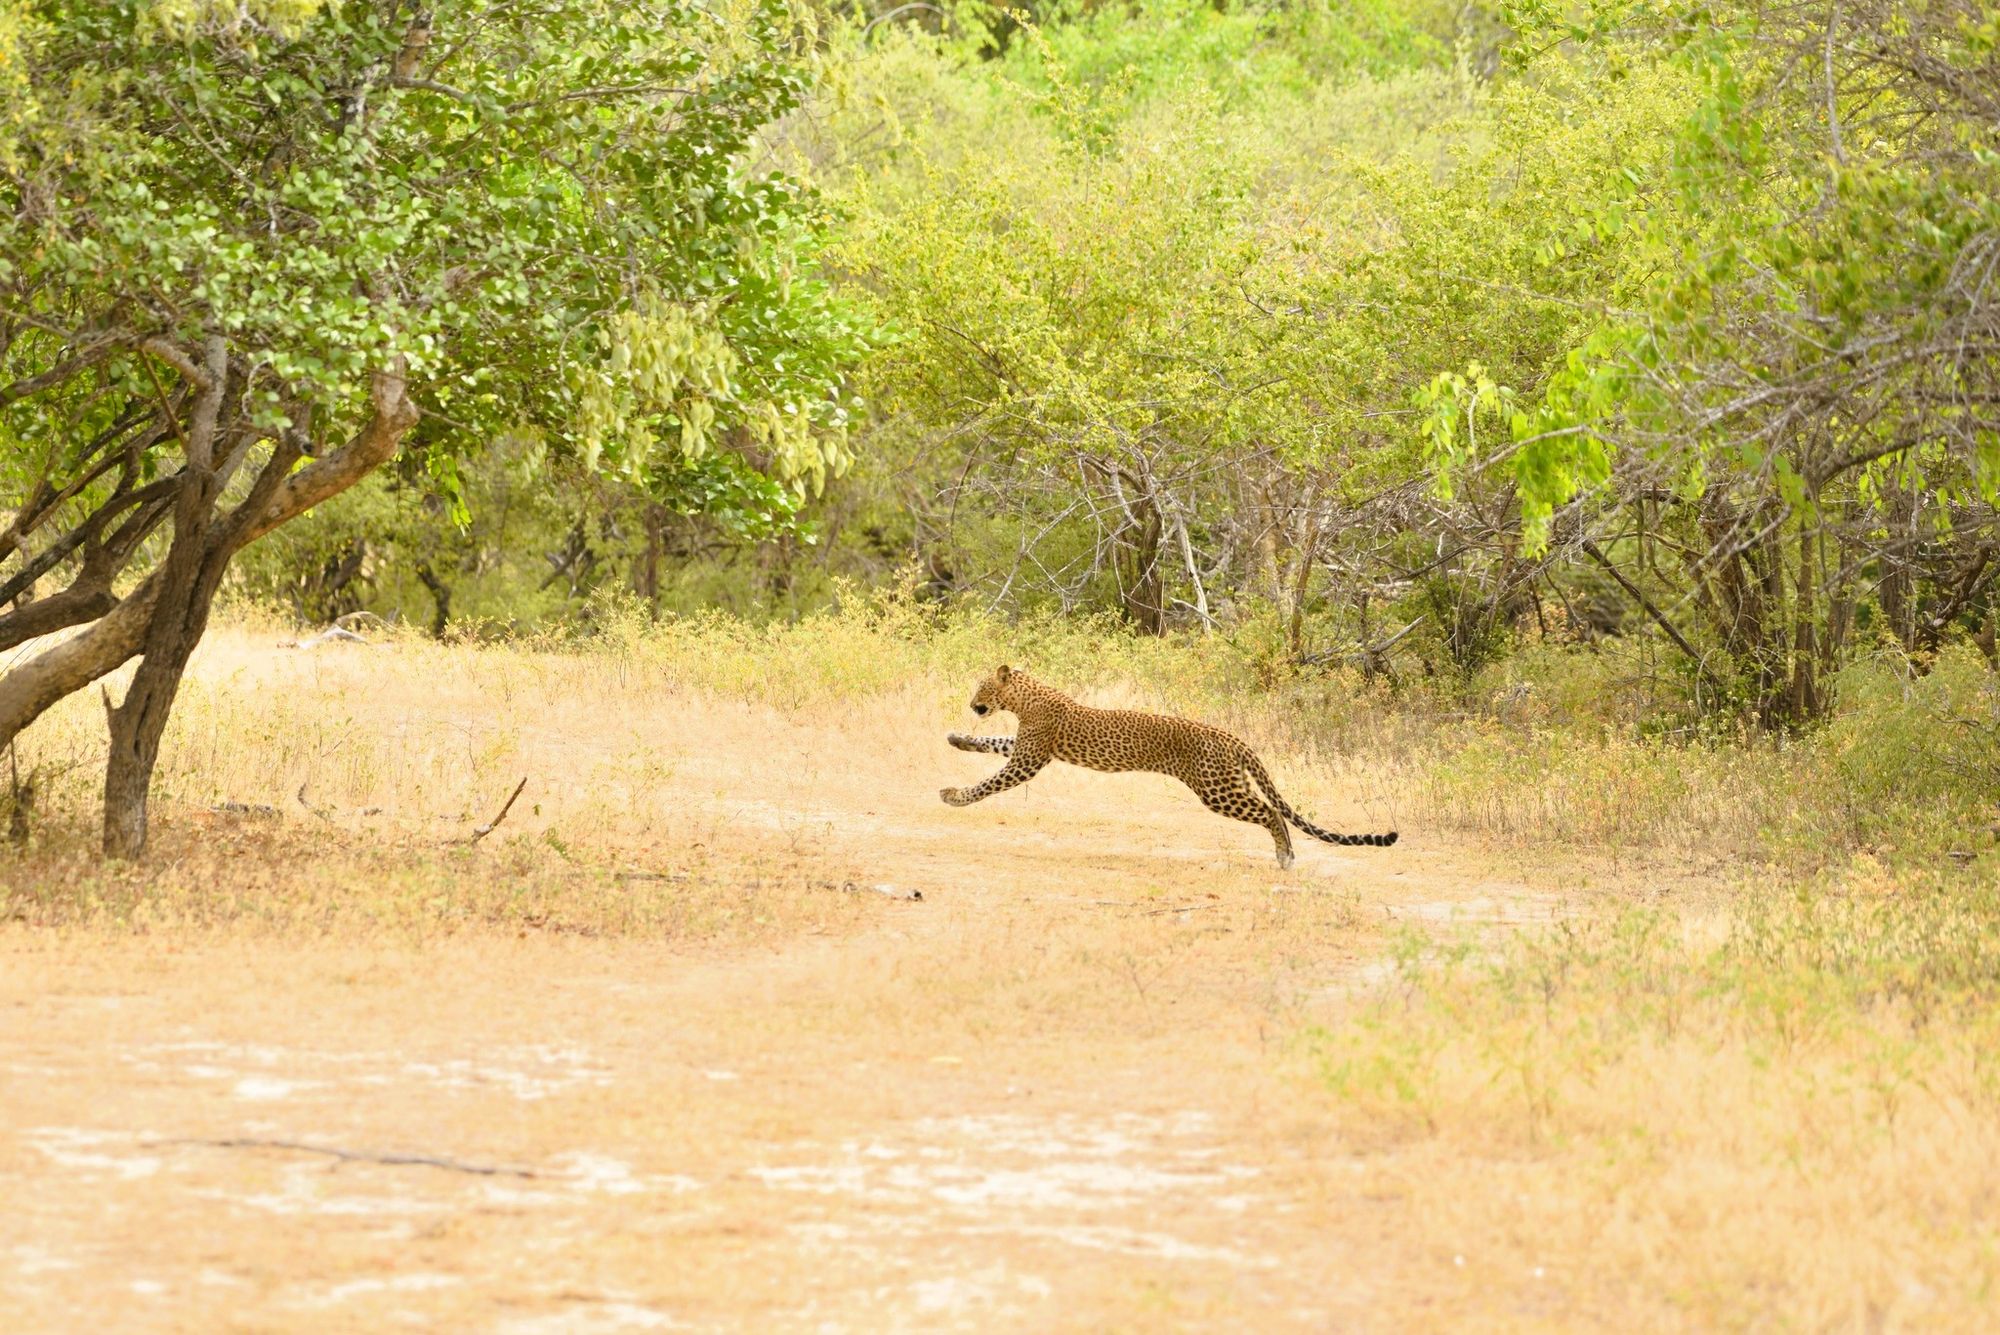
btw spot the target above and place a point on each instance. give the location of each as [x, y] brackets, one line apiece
[1114, 1071]
[1794, 1109]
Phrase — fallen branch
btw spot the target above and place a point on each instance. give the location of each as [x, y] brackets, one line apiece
[330, 634]
[261, 810]
[481, 831]
[1362, 655]
[889, 891]
[322, 812]
[357, 1156]
[886, 891]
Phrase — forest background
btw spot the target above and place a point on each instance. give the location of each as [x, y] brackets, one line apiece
[1461, 350]
[1406, 340]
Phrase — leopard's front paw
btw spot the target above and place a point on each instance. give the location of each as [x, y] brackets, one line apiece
[963, 741]
[953, 797]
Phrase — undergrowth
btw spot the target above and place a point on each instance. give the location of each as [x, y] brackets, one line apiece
[1552, 750]
[1552, 747]
[1801, 1090]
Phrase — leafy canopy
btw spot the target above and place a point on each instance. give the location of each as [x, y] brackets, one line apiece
[544, 217]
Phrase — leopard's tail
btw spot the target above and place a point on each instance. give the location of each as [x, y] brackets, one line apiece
[1257, 772]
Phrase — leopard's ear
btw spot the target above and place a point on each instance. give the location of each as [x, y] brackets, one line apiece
[1004, 672]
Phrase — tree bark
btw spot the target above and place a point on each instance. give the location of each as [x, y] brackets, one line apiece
[86, 600]
[440, 596]
[1145, 596]
[1896, 589]
[1296, 630]
[187, 582]
[646, 570]
[1803, 704]
[28, 691]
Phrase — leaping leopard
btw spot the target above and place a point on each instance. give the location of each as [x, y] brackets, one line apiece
[1212, 762]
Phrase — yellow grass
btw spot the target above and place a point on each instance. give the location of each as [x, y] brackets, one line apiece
[1112, 1071]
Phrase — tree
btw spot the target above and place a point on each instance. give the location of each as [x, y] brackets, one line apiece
[1805, 405]
[1076, 252]
[248, 255]
[1168, 321]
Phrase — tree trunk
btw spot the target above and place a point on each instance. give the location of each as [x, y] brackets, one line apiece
[1270, 573]
[646, 570]
[1897, 586]
[180, 613]
[179, 619]
[136, 726]
[1145, 593]
[1804, 703]
[1302, 585]
[440, 596]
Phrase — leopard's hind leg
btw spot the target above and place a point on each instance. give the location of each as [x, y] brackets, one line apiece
[1232, 797]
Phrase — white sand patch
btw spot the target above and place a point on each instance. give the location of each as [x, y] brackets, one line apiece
[959, 1294]
[1130, 1242]
[361, 1288]
[1018, 1162]
[303, 1191]
[528, 1073]
[585, 1171]
[540, 1073]
[263, 1088]
[1041, 1178]
[591, 1318]
[33, 1260]
[73, 1147]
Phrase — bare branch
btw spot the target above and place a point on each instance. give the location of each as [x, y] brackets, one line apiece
[481, 831]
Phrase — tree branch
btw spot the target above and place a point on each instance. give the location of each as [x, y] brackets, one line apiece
[55, 375]
[395, 414]
[178, 359]
[1591, 550]
[30, 689]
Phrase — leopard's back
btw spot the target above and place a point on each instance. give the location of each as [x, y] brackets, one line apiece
[1123, 740]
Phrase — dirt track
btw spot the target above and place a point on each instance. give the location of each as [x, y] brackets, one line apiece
[1067, 1089]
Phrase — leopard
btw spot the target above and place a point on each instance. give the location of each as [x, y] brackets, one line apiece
[1217, 765]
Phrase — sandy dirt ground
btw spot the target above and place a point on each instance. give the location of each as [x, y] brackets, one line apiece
[1065, 1089]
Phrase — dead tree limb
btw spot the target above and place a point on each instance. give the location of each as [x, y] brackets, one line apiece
[481, 831]
[359, 1156]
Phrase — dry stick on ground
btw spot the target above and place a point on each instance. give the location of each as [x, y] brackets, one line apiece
[358, 1156]
[321, 812]
[481, 831]
[856, 888]
[888, 891]
[328, 636]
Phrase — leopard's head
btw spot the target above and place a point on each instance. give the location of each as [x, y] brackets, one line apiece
[997, 692]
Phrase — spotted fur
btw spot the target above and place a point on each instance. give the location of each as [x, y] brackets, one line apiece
[1054, 727]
